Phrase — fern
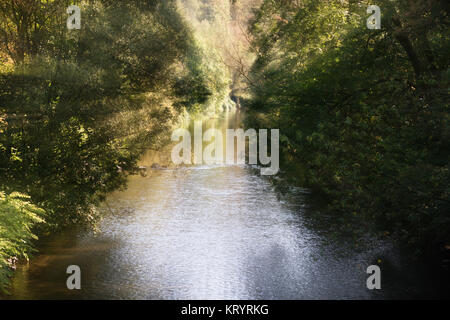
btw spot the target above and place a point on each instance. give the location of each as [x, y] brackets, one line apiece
[17, 218]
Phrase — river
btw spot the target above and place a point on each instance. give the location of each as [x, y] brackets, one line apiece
[213, 232]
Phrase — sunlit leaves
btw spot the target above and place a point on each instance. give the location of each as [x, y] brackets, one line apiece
[353, 103]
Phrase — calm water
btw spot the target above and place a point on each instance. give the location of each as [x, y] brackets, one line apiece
[212, 232]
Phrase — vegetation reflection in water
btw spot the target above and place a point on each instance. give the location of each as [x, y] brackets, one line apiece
[204, 232]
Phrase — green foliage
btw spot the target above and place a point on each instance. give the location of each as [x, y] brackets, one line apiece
[209, 21]
[365, 112]
[78, 107]
[61, 146]
[17, 219]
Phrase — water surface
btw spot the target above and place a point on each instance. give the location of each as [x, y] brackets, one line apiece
[212, 232]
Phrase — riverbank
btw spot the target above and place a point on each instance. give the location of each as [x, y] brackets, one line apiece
[340, 222]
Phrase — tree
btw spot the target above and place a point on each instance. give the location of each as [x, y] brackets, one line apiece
[364, 111]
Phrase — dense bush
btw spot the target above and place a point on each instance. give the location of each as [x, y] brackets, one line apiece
[365, 112]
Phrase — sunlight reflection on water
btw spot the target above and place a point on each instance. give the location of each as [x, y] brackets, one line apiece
[206, 232]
